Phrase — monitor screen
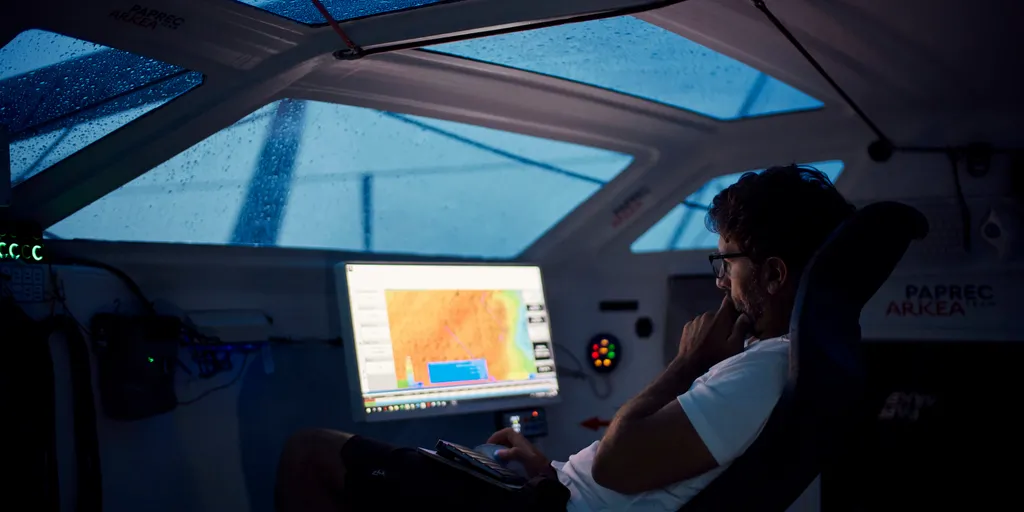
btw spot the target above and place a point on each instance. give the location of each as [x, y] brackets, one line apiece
[446, 339]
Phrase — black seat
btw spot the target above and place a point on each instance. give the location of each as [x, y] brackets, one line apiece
[824, 402]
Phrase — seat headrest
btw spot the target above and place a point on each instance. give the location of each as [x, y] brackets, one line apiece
[848, 269]
[858, 257]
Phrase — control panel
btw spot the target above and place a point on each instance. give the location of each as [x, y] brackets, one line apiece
[528, 422]
[23, 283]
[604, 352]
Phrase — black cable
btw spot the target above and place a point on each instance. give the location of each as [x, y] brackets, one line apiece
[882, 149]
[207, 362]
[580, 374]
[592, 380]
[59, 296]
[575, 374]
[813, 62]
[125, 278]
[234, 380]
[959, 150]
[134, 288]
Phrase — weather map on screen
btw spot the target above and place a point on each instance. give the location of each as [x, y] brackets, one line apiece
[446, 337]
[441, 334]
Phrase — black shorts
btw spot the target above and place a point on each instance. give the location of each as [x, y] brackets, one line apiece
[381, 476]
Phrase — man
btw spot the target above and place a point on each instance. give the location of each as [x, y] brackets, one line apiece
[685, 428]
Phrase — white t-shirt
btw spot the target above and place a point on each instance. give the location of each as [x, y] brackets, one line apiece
[727, 406]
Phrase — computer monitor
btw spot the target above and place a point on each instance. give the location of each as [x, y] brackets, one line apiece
[430, 340]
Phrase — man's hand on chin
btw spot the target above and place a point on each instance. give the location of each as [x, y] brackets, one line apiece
[714, 336]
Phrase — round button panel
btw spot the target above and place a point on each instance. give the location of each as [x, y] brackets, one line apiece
[604, 352]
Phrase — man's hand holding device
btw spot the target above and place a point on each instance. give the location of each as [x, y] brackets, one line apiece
[521, 450]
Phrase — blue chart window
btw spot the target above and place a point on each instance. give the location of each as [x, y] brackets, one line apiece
[457, 372]
[321, 175]
[631, 56]
[683, 227]
[59, 94]
[303, 11]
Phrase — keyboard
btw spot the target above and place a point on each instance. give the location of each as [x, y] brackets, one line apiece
[478, 462]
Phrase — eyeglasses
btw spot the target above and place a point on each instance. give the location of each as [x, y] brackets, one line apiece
[719, 263]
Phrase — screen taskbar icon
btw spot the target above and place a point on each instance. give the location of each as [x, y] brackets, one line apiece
[410, 406]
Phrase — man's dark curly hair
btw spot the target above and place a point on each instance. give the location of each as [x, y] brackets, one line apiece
[785, 212]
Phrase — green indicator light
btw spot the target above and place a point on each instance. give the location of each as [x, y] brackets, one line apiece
[611, 355]
[151, 359]
[15, 251]
[611, 347]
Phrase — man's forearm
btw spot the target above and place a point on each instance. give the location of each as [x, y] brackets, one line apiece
[614, 449]
[674, 381]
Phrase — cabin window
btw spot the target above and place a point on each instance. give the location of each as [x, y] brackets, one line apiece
[683, 228]
[303, 11]
[59, 94]
[308, 174]
[634, 57]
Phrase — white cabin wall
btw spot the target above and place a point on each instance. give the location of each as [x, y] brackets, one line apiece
[921, 176]
[221, 453]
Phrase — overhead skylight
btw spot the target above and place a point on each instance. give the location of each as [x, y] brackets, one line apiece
[321, 175]
[59, 94]
[303, 11]
[634, 57]
[683, 228]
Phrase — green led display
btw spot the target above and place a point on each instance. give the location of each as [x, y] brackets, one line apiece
[11, 248]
